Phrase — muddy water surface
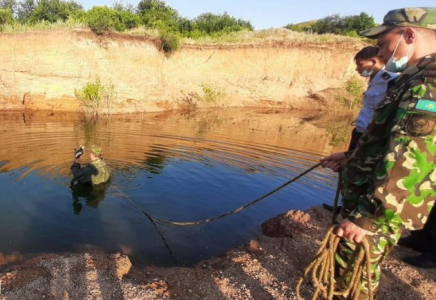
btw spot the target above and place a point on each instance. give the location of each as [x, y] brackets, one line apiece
[179, 167]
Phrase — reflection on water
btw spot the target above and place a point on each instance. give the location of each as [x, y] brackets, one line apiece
[177, 167]
[87, 193]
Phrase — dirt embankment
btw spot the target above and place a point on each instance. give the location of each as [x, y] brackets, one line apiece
[266, 268]
[42, 70]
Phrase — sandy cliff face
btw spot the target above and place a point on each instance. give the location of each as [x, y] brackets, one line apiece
[42, 70]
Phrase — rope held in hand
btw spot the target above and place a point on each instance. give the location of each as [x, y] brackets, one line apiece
[322, 270]
[230, 212]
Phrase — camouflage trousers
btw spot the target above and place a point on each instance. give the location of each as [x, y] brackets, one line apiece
[380, 244]
[350, 194]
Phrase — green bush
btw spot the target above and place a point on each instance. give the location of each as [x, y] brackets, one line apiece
[93, 95]
[209, 24]
[101, 19]
[348, 25]
[6, 17]
[170, 41]
[79, 15]
[210, 95]
[154, 14]
[301, 27]
[355, 89]
[127, 19]
[53, 10]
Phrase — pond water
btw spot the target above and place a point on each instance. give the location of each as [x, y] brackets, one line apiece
[179, 167]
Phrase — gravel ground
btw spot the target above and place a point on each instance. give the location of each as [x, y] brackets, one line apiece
[266, 268]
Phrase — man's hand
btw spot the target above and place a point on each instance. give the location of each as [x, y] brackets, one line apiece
[78, 153]
[351, 231]
[335, 161]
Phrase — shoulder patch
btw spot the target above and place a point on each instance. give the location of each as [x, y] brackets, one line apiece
[426, 105]
[385, 76]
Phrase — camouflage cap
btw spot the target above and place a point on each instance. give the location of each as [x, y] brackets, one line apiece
[96, 150]
[424, 17]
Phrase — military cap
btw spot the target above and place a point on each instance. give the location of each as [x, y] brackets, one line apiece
[424, 17]
[96, 150]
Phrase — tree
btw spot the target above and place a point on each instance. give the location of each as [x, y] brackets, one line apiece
[329, 24]
[54, 10]
[357, 23]
[8, 4]
[25, 9]
[185, 26]
[128, 20]
[123, 6]
[349, 25]
[210, 23]
[156, 14]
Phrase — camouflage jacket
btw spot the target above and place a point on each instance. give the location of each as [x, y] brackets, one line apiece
[390, 179]
[96, 172]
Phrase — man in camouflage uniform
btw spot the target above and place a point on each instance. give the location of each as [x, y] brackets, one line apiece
[96, 172]
[389, 181]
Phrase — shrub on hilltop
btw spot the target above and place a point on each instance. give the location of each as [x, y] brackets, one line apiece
[349, 25]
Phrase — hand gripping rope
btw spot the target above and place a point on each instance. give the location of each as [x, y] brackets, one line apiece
[322, 270]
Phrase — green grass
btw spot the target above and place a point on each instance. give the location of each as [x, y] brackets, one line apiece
[269, 36]
[18, 27]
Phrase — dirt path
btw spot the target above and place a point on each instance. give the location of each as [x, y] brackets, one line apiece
[266, 268]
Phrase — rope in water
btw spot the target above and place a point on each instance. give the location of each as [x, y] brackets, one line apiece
[322, 270]
[227, 213]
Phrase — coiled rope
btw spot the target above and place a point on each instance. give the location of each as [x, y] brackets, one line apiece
[322, 270]
[227, 213]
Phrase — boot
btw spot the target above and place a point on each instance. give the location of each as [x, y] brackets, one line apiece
[330, 207]
[416, 241]
[424, 261]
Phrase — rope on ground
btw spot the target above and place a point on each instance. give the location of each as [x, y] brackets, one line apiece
[227, 213]
[322, 270]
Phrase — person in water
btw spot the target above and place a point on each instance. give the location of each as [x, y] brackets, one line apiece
[96, 172]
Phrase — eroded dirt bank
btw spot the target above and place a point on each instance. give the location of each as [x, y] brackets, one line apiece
[42, 70]
[266, 268]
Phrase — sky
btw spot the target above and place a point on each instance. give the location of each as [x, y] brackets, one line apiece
[265, 14]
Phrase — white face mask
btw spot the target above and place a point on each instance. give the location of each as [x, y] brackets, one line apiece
[398, 65]
[366, 73]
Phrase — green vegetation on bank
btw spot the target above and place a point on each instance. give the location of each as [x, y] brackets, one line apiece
[155, 18]
[349, 25]
[152, 14]
[355, 89]
[94, 96]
